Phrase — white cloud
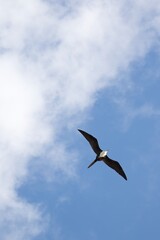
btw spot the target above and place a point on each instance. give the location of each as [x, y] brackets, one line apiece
[54, 59]
[132, 112]
[20, 220]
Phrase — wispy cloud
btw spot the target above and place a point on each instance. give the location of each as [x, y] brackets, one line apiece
[20, 220]
[131, 111]
[54, 58]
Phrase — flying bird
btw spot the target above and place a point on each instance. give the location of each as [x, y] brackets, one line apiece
[102, 155]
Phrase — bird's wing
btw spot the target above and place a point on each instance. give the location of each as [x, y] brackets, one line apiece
[116, 166]
[92, 141]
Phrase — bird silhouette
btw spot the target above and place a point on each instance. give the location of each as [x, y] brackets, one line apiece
[102, 155]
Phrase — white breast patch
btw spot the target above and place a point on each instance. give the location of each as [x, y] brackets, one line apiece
[103, 154]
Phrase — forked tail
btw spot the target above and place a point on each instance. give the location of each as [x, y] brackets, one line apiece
[92, 163]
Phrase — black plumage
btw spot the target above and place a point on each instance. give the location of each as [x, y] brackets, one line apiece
[100, 154]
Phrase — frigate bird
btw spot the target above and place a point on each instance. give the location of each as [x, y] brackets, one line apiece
[102, 155]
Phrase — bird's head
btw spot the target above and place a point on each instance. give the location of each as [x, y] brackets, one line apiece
[106, 152]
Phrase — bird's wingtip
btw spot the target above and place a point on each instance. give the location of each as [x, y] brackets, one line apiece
[79, 130]
[125, 177]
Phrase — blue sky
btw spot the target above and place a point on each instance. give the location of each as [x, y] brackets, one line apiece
[92, 65]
